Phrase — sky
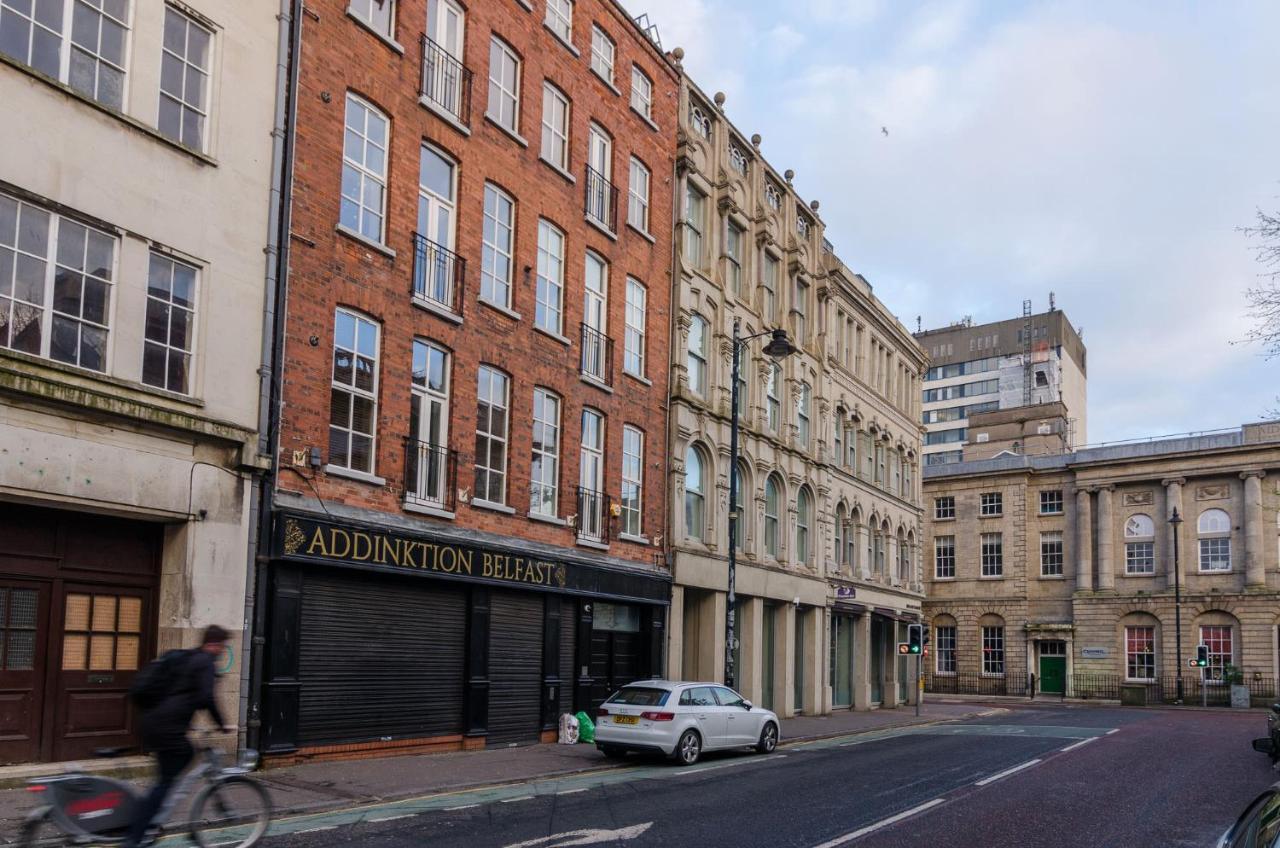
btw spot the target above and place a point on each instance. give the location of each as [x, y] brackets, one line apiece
[1107, 152]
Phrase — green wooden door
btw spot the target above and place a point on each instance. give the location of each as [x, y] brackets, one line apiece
[1053, 675]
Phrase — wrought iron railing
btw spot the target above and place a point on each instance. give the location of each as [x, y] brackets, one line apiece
[446, 82]
[597, 355]
[1108, 687]
[969, 683]
[593, 515]
[601, 202]
[437, 274]
[430, 475]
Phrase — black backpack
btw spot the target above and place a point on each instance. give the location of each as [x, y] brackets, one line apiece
[159, 679]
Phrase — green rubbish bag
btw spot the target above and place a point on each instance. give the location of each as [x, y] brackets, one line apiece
[586, 728]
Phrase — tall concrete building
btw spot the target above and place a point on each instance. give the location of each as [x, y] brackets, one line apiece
[979, 368]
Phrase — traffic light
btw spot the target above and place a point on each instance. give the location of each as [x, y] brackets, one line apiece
[1202, 656]
[915, 638]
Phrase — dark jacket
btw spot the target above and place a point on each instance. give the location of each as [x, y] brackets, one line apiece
[166, 724]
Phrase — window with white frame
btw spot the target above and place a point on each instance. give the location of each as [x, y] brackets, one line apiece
[773, 397]
[945, 638]
[353, 396]
[428, 475]
[1140, 653]
[492, 426]
[641, 92]
[1139, 545]
[544, 473]
[851, 448]
[944, 507]
[696, 362]
[991, 503]
[699, 121]
[638, 196]
[695, 494]
[769, 287]
[992, 554]
[1218, 639]
[380, 15]
[56, 277]
[800, 310]
[555, 126]
[737, 159]
[1051, 502]
[772, 196]
[633, 341]
[504, 86]
[993, 650]
[1051, 553]
[734, 236]
[497, 245]
[772, 515]
[1214, 528]
[944, 557]
[549, 298]
[184, 79]
[82, 43]
[695, 203]
[804, 521]
[560, 18]
[602, 54]
[170, 323]
[803, 404]
[632, 479]
[364, 169]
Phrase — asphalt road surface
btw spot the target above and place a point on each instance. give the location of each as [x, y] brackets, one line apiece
[1033, 777]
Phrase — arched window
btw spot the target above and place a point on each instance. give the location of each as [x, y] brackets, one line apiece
[1214, 527]
[1139, 545]
[740, 503]
[695, 496]
[1213, 521]
[804, 520]
[772, 506]
[944, 641]
[1139, 527]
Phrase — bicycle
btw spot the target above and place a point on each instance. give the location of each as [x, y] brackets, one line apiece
[91, 809]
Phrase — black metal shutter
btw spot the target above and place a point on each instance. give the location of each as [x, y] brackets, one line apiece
[568, 654]
[515, 667]
[379, 657]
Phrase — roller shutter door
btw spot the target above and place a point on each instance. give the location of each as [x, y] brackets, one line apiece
[515, 667]
[379, 657]
[568, 654]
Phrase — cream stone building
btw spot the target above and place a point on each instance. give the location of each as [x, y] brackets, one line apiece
[1058, 571]
[830, 522]
[135, 171]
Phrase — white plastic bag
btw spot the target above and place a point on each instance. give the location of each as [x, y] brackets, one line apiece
[568, 729]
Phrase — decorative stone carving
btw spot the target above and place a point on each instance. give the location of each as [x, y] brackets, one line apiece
[1139, 498]
[1213, 493]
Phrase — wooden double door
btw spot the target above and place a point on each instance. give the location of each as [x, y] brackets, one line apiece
[76, 624]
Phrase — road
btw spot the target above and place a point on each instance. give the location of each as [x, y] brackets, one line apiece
[1031, 777]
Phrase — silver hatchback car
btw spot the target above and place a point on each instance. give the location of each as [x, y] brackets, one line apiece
[682, 720]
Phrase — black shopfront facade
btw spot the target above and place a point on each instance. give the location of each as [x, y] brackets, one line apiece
[380, 637]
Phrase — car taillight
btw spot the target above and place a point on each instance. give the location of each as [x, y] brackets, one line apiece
[602, 711]
[37, 788]
[654, 716]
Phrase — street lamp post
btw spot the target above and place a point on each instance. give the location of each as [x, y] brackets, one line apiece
[1175, 521]
[778, 347]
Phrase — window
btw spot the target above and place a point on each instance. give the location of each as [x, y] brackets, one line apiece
[1218, 639]
[638, 196]
[632, 479]
[544, 474]
[945, 637]
[497, 246]
[737, 159]
[429, 474]
[944, 557]
[600, 199]
[992, 503]
[738, 509]
[504, 85]
[803, 403]
[364, 169]
[1214, 527]
[696, 364]
[641, 92]
[700, 122]
[435, 270]
[555, 126]
[804, 520]
[595, 359]
[184, 76]
[602, 51]
[772, 196]
[734, 238]
[100, 632]
[378, 14]
[560, 18]
[802, 226]
[993, 650]
[800, 309]
[1140, 653]
[851, 448]
[944, 507]
[694, 213]
[1139, 545]
[170, 324]
[695, 495]
[773, 402]
[992, 555]
[491, 435]
[1051, 554]
[769, 288]
[1051, 502]
[634, 334]
[353, 396]
[549, 308]
[591, 500]
[772, 512]
[92, 62]
[880, 463]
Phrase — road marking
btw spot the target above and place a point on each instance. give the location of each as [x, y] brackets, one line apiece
[993, 778]
[392, 818]
[871, 828]
[318, 829]
[586, 837]
[1116, 730]
[520, 798]
[463, 807]
[572, 791]
[1075, 745]
[743, 762]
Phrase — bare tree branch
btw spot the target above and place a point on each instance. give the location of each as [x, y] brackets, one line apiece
[1264, 298]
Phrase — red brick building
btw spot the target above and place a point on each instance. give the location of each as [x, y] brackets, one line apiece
[468, 529]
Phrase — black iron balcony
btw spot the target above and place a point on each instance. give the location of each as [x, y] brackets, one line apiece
[593, 516]
[430, 475]
[437, 275]
[601, 203]
[446, 82]
[597, 356]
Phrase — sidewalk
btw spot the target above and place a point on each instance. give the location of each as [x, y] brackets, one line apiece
[316, 786]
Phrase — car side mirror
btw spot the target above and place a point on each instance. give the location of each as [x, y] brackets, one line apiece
[1275, 708]
[1263, 746]
[746, 705]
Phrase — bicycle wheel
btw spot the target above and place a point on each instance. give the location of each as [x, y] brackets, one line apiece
[235, 808]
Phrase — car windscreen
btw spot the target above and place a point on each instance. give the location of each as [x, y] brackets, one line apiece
[640, 696]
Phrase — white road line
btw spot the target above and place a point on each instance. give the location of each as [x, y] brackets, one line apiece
[687, 772]
[463, 807]
[318, 829]
[572, 791]
[993, 778]
[392, 818]
[871, 828]
[1116, 730]
[1075, 745]
[513, 800]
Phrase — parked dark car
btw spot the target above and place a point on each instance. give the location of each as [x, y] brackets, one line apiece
[1271, 745]
[1259, 825]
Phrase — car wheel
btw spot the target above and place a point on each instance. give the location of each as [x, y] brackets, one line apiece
[768, 739]
[689, 748]
[613, 752]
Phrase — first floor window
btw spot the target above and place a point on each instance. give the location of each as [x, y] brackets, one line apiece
[694, 495]
[944, 557]
[1051, 554]
[1215, 554]
[491, 435]
[544, 474]
[353, 399]
[993, 650]
[632, 479]
[946, 657]
[1139, 558]
[992, 554]
[1218, 639]
[804, 510]
[1051, 502]
[1140, 653]
[170, 324]
[772, 510]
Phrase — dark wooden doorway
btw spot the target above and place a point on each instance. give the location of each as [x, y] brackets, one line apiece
[24, 629]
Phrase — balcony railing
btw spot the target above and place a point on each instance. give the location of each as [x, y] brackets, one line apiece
[446, 82]
[437, 274]
[601, 200]
[593, 516]
[597, 356]
[430, 475]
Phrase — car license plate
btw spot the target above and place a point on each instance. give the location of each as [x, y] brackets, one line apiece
[626, 719]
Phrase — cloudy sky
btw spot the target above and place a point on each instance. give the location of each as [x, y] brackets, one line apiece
[1103, 151]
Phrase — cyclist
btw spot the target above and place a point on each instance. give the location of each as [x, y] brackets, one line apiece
[164, 726]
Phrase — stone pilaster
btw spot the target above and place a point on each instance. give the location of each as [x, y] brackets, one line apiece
[1084, 543]
[1106, 557]
[1254, 563]
[1173, 500]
